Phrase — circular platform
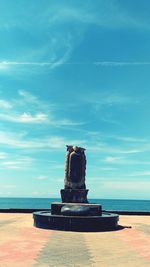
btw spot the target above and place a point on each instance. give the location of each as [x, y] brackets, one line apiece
[105, 222]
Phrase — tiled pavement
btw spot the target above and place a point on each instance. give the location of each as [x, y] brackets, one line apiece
[22, 245]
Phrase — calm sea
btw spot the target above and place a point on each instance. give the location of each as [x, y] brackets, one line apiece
[44, 203]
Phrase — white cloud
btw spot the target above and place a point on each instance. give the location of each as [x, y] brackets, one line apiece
[66, 122]
[111, 159]
[3, 67]
[38, 118]
[28, 97]
[8, 66]
[38, 111]
[33, 119]
[19, 106]
[5, 64]
[5, 104]
[130, 151]
[25, 118]
[42, 177]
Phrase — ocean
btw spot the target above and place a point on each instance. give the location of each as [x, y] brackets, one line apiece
[44, 203]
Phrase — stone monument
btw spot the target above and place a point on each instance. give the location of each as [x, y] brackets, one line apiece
[74, 184]
[74, 213]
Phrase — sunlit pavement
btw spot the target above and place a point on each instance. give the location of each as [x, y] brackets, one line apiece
[22, 245]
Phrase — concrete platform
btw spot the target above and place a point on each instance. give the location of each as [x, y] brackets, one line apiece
[22, 245]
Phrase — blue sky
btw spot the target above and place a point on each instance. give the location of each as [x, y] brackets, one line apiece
[76, 73]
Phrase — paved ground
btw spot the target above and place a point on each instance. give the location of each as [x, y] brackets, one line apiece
[22, 245]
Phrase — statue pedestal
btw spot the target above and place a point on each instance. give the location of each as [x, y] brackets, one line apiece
[80, 209]
[74, 195]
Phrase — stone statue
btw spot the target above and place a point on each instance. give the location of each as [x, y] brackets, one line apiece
[74, 184]
[75, 168]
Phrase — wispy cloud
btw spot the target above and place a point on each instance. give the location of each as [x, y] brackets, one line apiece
[52, 64]
[5, 104]
[63, 59]
[108, 13]
[140, 173]
[117, 150]
[129, 139]
[3, 155]
[50, 142]
[129, 185]
[31, 67]
[33, 103]
[121, 64]
[76, 17]
[9, 67]
[105, 168]
[5, 65]
[38, 118]
[18, 114]
[124, 161]
[116, 145]
[39, 111]
[28, 97]
[108, 99]
[111, 159]
[8, 186]
[104, 14]
[42, 177]
[25, 118]
[21, 163]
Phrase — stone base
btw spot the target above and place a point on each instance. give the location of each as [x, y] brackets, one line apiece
[105, 222]
[82, 217]
[93, 209]
[74, 195]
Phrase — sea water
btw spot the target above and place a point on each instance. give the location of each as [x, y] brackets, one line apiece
[44, 203]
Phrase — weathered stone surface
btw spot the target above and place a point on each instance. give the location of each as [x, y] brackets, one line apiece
[95, 209]
[74, 195]
[105, 222]
[75, 210]
[75, 168]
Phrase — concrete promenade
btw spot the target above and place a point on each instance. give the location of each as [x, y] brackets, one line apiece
[22, 245]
